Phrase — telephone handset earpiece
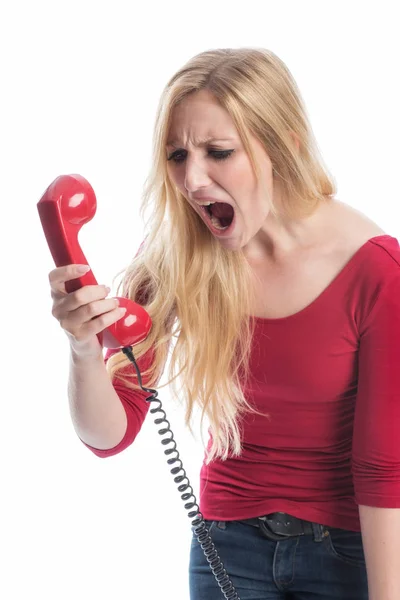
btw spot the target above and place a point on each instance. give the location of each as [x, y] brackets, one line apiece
[66, 205]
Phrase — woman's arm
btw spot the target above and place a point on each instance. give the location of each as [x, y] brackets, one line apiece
[380, 529]
[376, 441]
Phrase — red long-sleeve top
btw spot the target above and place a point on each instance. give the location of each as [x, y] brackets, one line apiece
[329, 377]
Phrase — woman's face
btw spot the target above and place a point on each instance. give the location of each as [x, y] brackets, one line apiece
[207, 162]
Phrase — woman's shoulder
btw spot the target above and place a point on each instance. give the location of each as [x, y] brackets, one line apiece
[360, 232]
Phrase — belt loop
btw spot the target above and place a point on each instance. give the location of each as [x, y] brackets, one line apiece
[318, 531]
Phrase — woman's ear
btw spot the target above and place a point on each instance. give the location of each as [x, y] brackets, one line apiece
[295, 139]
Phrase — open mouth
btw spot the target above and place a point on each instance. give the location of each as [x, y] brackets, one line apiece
[219, 215]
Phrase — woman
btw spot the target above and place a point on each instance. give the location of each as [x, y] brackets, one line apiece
[284, 303]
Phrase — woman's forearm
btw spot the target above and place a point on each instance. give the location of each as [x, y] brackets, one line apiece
[97, 413]
[380, 529]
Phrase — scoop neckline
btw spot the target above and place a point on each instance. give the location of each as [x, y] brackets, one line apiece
[350, 263]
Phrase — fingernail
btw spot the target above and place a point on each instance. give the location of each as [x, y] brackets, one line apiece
[83, 268]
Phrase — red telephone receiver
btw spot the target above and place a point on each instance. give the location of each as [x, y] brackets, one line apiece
[67, 204]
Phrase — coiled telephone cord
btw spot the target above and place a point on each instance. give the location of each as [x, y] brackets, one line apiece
[198, 524]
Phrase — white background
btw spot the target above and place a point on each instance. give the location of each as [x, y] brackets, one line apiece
[80, 82]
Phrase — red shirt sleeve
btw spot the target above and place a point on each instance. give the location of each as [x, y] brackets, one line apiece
[134, 403]
[376, 435]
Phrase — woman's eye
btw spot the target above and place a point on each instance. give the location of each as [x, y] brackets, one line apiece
[221, 154]
[179, 155]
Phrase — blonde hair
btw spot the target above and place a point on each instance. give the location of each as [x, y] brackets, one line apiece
[195, 290]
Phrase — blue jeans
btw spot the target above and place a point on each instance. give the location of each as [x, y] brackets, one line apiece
[328, 565]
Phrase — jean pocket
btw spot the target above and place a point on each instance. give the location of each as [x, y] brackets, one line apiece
[346, 546]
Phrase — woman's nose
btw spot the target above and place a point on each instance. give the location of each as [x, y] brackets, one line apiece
[196, 175]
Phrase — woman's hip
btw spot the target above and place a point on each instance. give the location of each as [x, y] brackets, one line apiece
[312, 560]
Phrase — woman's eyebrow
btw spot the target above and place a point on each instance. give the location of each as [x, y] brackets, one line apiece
[176, 144]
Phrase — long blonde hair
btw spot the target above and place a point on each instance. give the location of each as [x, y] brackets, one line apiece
[195, 291]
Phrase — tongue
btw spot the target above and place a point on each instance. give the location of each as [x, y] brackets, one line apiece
[222, 211]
